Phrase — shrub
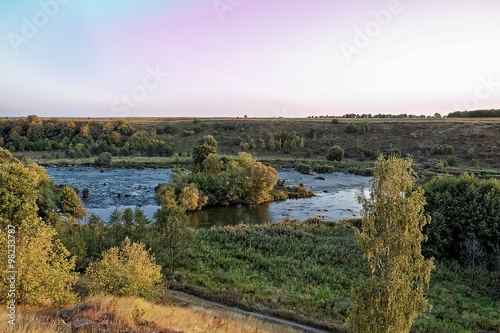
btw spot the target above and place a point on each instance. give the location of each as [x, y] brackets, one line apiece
[240, 127]
[335, 153]
[452, 161]
[323, 168]
[461, 208]
[394, 152]
[308, 153]
[351, 128]
[126, 271]
[169, 129]
[188, 133]
[361, 171]
[245, 146]
[238, 141]
[303, 168]
[364, 127]
[471, 154]
[443, 150]
[312, 133]
[335, 120]
[104, 159]
[474, 162]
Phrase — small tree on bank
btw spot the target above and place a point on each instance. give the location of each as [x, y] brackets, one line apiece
[391, 236]
[129, 270]
[335, 153]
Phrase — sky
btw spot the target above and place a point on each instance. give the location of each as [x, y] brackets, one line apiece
[261, 58]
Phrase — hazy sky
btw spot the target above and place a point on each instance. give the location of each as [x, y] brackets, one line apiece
[255, 57]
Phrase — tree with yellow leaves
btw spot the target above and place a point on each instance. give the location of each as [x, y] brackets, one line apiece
[391, 236]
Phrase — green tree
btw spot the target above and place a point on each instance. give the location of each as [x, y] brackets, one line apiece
[104, 159]
[335, 153]
[462, 208]
[390, 236]
[173, 235]
[5, 156]
[70, 205]
[190, 198]
[129, 270]
[204, 147]
[42, 263]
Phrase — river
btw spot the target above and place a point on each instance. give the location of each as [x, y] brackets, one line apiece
[335, 197]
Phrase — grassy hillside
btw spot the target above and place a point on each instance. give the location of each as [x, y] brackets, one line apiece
[475, 143]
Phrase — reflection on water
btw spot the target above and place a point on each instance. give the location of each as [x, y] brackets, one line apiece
[335, 196]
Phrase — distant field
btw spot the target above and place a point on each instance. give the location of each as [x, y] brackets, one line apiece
[470, 139]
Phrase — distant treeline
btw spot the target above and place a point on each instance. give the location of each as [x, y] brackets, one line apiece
[380, 115]
[79, 138]
[475, 114]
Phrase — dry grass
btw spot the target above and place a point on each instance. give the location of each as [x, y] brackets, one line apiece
[113, 314]
[28, 322]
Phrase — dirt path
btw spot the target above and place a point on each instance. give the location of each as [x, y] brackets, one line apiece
[184, 297]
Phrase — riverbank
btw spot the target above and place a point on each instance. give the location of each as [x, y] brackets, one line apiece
[364, 168]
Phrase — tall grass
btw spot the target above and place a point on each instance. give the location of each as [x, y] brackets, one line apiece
[110, 314]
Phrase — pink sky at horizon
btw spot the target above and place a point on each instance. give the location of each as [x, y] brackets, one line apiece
[259, 58]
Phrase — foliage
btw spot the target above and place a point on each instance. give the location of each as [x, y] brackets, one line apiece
[126, 271]
[364, 127]
[443, 150]
[390, 236]
[70, 205]
[172, 236]
[335, 153]
[452, 161]
[475, 114]
[396, 152]
[81, 138]
[104, 159]
[323, 168]
[303, 168]
[42, 263]
[351, 128]
[306, 266]
[284, 141]
[360, 171]
[461, 208]
[204, 147]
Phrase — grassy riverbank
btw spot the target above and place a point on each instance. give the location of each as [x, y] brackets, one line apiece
[305, 271]
[470, 144]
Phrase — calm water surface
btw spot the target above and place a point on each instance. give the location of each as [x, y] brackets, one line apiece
[121, 188]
